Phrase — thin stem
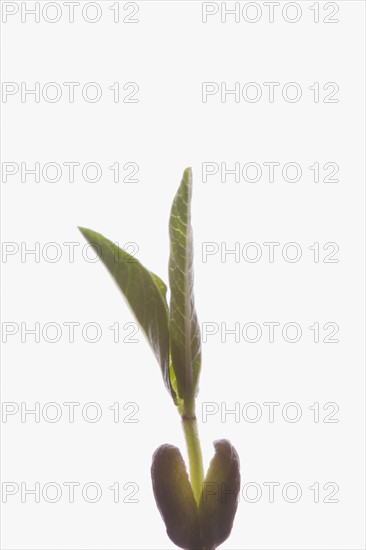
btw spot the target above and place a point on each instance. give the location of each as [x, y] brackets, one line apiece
[189, 422]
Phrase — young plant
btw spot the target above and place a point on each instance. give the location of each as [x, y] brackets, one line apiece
[198, 511]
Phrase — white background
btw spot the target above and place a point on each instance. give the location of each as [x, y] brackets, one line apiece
[169, 53]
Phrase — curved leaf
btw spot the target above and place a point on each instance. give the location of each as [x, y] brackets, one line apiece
[145, 293]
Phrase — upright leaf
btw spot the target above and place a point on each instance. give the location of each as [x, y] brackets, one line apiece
[185, 338]
[145, 293]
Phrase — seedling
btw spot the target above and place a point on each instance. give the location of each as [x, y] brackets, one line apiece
[198, 511]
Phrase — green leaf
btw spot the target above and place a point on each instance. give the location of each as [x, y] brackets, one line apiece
[220, 491]
[185, 338]
[145, 293]
[174, 497]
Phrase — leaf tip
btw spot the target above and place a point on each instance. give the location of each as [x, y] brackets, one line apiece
[88, 234]
[83, 230]
[187, 174]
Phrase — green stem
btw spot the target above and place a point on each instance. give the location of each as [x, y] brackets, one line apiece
[189, 421]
